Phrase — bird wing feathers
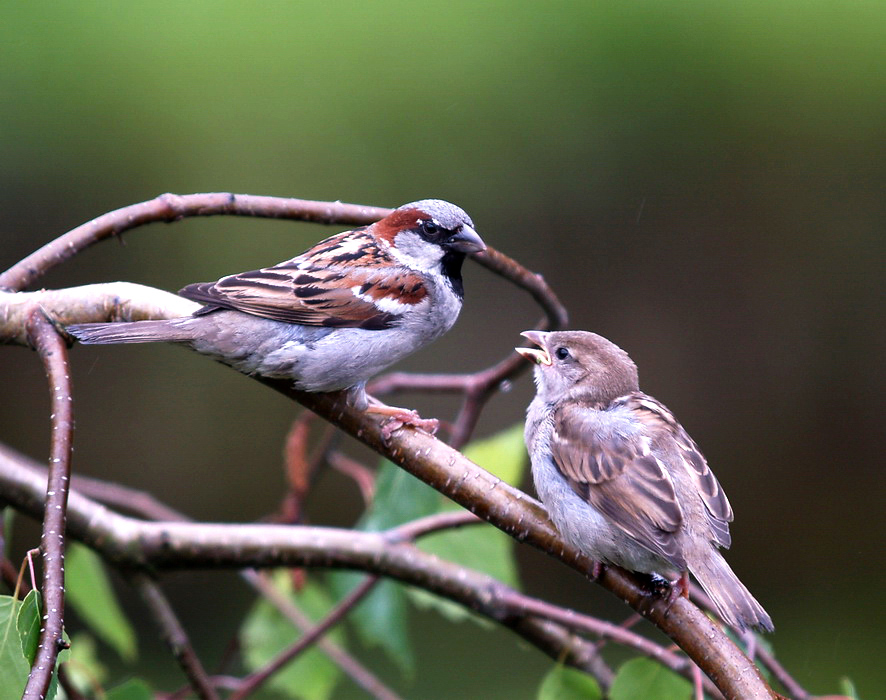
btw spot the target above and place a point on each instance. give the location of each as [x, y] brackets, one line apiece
[662, 423]
[322, 287]
[618, 467]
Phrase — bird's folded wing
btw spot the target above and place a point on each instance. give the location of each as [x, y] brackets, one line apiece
[331, 296]
[619, 475]
[663, 426]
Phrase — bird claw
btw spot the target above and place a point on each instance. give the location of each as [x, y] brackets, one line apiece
[400, 417]
[403, 417]
[659, 586]
[668, 590]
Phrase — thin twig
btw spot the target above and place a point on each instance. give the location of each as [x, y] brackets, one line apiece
[147, 506]
[128, 542]
[359, 473]
[336, 615]
[172, 207]
[174, 635]
[353, 668]
[54, 355]
[420, 527]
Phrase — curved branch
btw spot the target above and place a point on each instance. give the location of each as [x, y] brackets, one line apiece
[421, 454]
[54, 355]
[92, 522]
[128, 542]
[172, 207]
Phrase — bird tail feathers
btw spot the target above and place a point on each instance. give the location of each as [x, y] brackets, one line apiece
[734, 603]
[133, 332]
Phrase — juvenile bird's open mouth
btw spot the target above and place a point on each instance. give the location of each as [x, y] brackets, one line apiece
[539, 355]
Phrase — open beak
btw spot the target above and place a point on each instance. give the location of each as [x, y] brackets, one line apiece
[539, 355]
[467, 240]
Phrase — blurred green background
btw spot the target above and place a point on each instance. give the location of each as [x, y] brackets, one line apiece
[701, 182]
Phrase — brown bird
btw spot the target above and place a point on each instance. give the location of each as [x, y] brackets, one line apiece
[622, 480]
[334, 316]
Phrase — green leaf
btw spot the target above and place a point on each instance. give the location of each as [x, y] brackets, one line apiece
[503, 454]
[643, 679]
[91, 595]
[14, 667]
[133, 689]
[19, 636]
[480, 547]
[847, 688]
[483, 548]
[28, 624]
[83, 666]
[399, 498]
[563, 683]
[265, 633]
[382, 619]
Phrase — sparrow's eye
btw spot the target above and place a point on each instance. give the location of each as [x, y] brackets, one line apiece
[561, 353]
[430, 228]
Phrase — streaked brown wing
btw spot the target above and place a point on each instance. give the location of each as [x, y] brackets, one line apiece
[663, 425]
[319, 288]
[618, 475]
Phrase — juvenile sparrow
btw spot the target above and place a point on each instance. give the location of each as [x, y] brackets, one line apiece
[334, 316]
[622, 480]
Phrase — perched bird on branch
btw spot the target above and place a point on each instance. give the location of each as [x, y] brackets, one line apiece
[334, 316]
[622, 480]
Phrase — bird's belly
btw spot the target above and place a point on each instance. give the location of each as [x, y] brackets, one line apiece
[314, 358]
[586, 528]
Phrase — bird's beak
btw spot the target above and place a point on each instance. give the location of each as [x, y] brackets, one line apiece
[540, 355]
[467, 241]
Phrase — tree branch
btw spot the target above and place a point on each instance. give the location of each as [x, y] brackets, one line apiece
[420, 454]
[54, 355]
[551, 638]
[128, 542]
[172, 207]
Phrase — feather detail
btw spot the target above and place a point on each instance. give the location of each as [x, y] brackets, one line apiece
[348, 280]
[619, 476]
[663, 425]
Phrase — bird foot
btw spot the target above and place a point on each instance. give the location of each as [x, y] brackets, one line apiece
[659, 586]
[668, 590]
[400, 417]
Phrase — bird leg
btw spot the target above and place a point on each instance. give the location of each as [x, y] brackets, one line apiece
[397, 417]
[676, 588]
[400, 417]
[680, 586]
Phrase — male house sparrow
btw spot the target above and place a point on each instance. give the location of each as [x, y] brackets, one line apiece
[334, 316]
[622, 480]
